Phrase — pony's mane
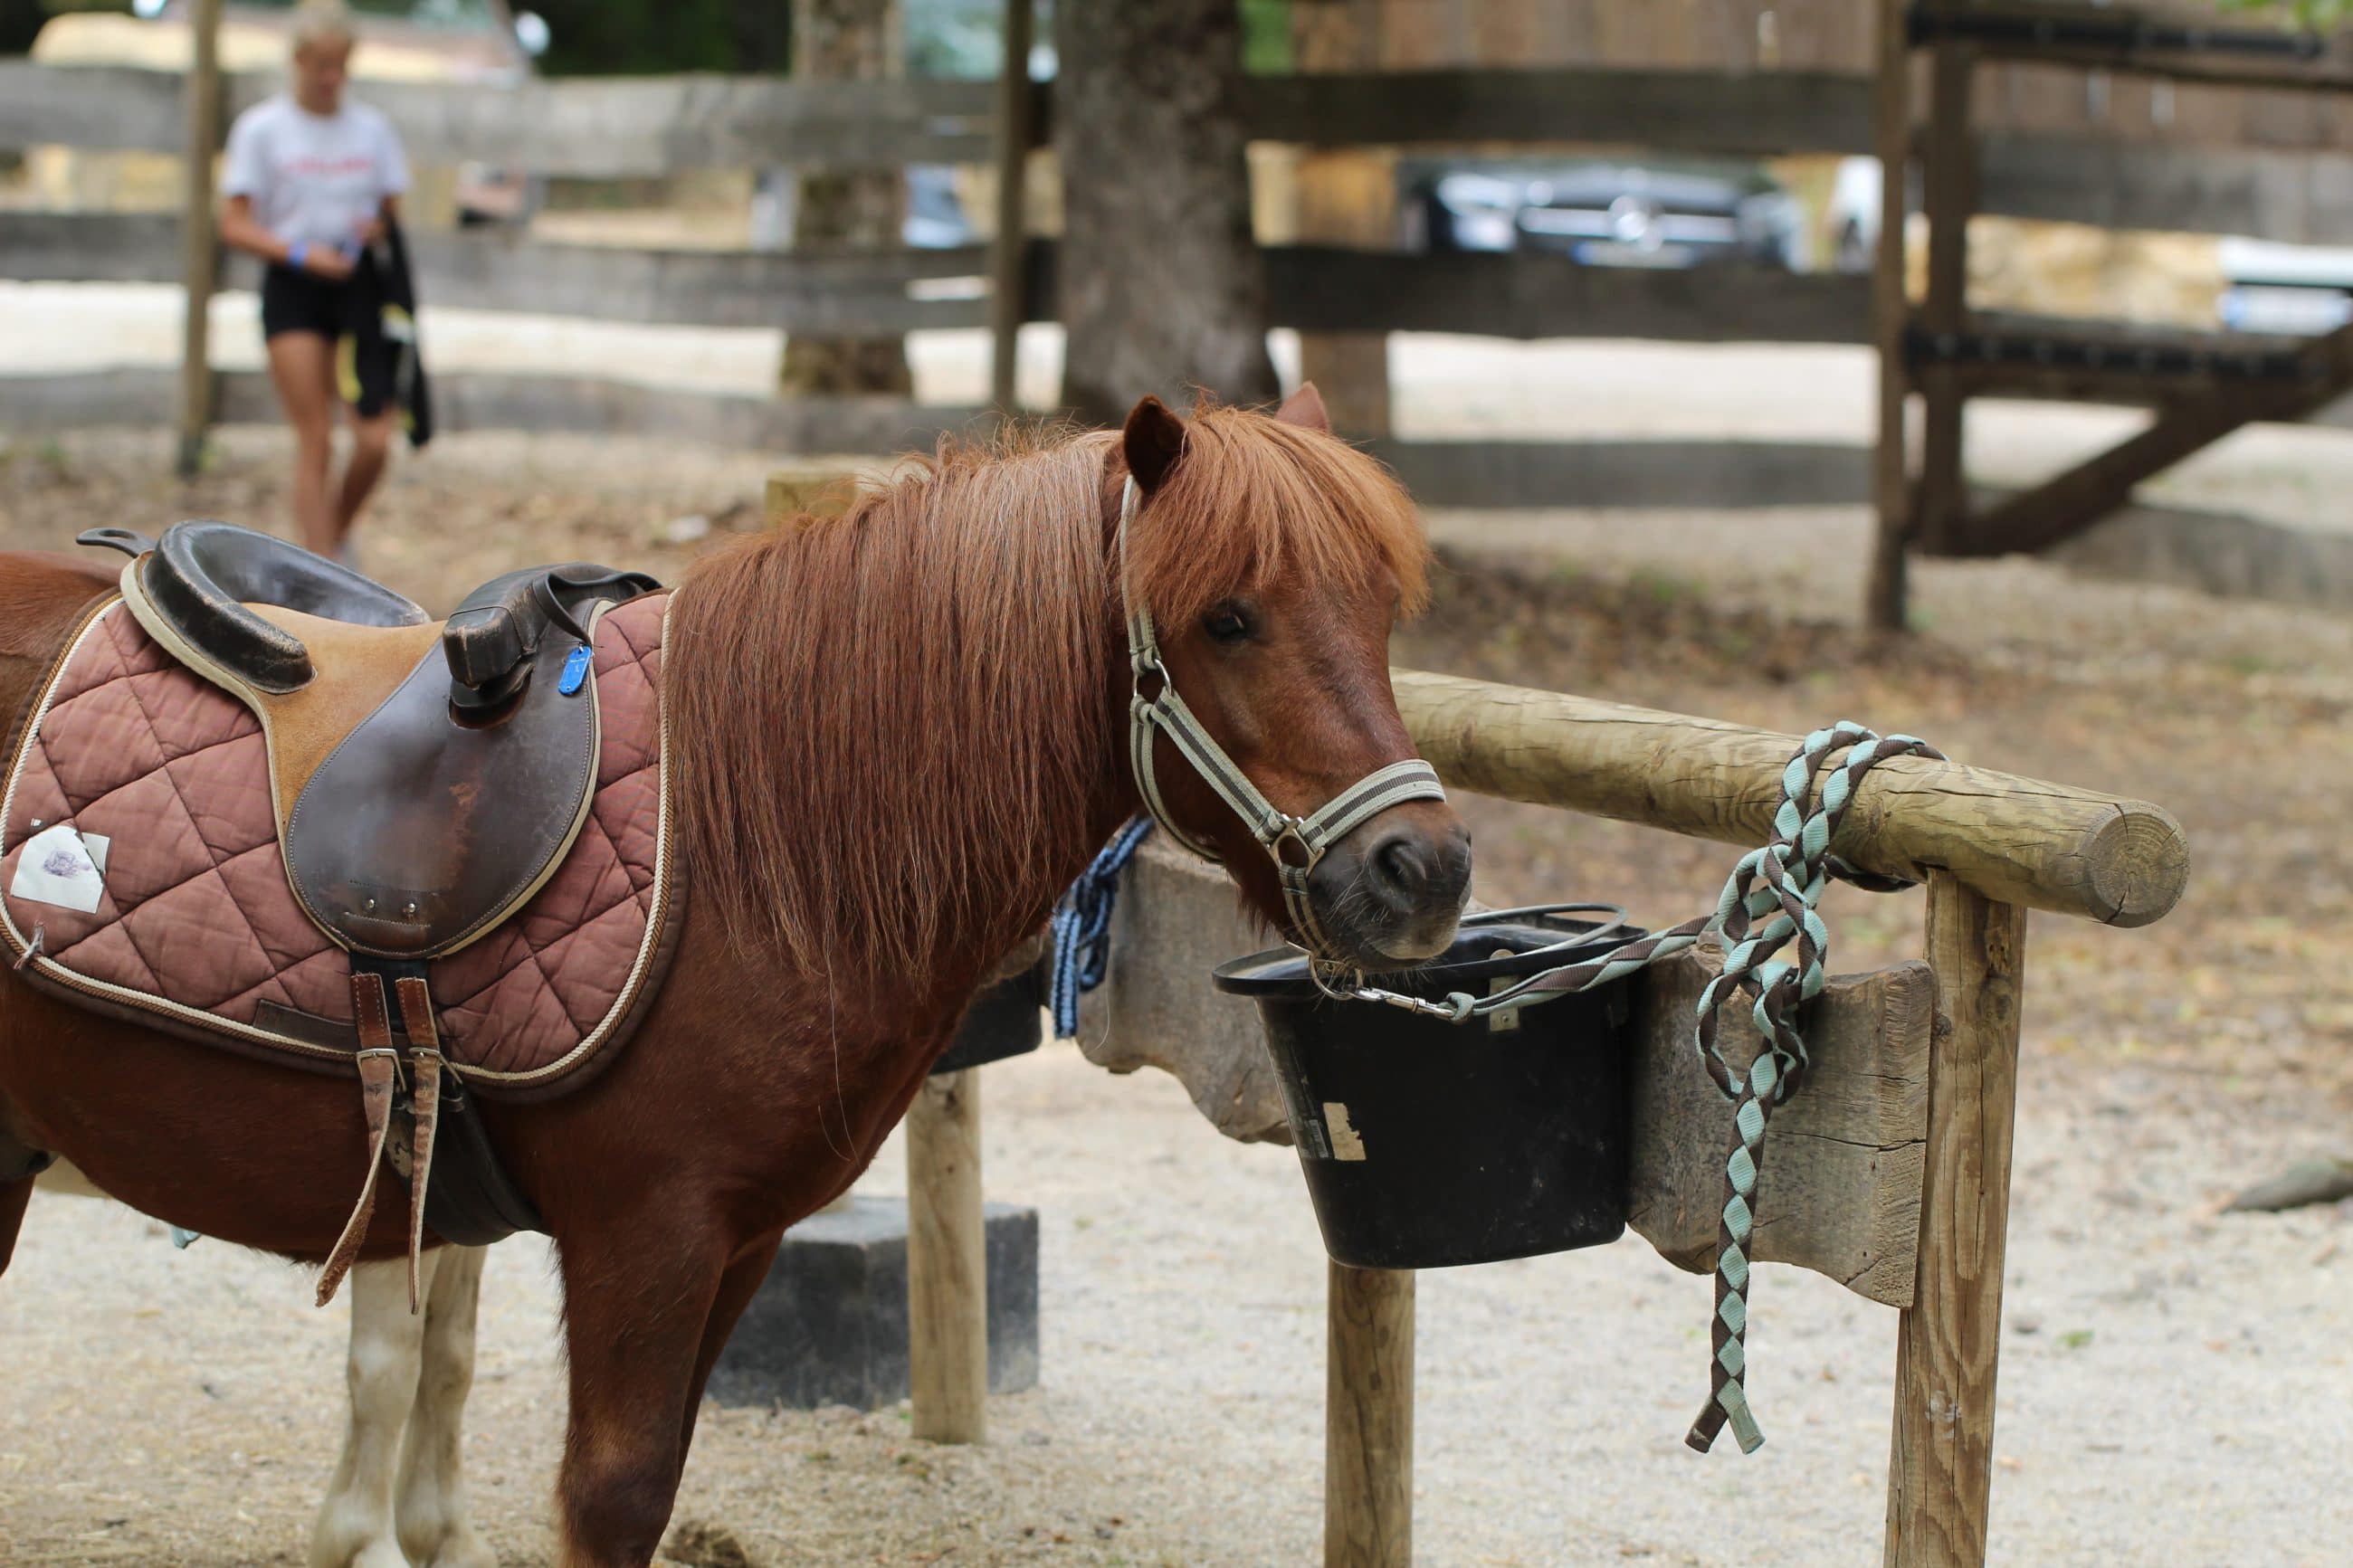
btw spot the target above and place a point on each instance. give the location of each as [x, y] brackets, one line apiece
[891, 723]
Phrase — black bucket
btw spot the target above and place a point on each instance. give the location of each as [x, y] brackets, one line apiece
[1428, 1144]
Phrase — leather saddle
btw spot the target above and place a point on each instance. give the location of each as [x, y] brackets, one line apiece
[427, 777]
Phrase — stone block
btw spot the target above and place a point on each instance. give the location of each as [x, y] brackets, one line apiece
[829, 1325]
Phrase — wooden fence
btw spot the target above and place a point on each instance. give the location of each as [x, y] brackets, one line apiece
[2272, 174]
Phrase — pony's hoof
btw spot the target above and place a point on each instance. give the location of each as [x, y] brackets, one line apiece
[337, 1549]
[461, 1548]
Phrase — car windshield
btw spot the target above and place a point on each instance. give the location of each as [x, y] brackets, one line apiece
[463, 16]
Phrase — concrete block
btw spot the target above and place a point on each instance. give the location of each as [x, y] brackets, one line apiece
[829, 1325]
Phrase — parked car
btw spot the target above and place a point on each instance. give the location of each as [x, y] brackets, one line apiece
[1605, 212]
[2273, 288]
[479, 42]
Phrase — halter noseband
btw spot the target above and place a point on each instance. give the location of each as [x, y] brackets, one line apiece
[1296, 844]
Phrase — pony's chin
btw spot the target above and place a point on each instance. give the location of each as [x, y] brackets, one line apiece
[1406, 951]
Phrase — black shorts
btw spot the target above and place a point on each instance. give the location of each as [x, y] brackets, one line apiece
[296, 301]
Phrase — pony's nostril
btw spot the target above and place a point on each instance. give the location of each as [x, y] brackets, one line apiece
[1400, 870]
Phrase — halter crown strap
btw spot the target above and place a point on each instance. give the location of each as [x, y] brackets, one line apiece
[1296, 844]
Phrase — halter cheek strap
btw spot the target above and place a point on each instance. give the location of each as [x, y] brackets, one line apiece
[1296, 844]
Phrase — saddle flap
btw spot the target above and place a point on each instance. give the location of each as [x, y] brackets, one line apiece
[424, 827]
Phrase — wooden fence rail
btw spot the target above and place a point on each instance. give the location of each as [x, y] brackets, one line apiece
[1522, 295]
[2294, 183]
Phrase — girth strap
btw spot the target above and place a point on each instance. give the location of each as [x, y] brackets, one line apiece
[1296, 844]
[424, 1108]
[377, 1069]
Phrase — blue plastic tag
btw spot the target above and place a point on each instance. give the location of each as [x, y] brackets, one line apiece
[575, 671]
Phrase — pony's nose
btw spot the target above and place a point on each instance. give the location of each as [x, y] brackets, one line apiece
[1410, 871]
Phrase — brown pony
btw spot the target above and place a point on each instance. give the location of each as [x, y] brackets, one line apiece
[898, 734]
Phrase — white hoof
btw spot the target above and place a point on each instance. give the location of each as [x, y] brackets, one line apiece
[461, 1548]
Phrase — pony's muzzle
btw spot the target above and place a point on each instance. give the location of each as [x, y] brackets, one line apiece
[1391, 893]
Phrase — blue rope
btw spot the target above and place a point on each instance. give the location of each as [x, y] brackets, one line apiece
[1082, 928]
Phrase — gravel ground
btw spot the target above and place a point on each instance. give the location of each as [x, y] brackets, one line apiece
[2176, 1383]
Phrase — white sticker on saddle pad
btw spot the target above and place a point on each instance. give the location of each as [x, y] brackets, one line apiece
[63, 867]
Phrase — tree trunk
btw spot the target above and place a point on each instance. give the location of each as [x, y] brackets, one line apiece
[1162, 289]
[847, 40]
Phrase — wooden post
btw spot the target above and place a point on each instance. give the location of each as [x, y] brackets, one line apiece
[1368, 1418]
[947, 1262]
[1346, 197]
[1949, 190]
[199, 238]
[1940, 1470]
[1007, 271]
[1884, 607]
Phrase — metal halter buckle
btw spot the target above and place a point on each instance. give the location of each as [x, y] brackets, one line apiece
[1292, 833]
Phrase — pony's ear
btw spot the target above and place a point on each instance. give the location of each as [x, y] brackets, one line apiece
[1153, 439]
[1305, 406]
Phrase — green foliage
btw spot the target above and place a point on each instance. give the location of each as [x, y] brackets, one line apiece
[2317, 15]
[21, 20]
[1266, 36]
[605, 37]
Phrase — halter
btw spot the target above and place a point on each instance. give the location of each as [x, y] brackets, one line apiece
[1296, 844]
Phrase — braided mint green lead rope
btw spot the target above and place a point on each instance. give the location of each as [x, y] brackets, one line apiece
[1792, 869]
[1778, 885]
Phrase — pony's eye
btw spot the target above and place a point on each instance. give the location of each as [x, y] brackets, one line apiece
[1227, 624]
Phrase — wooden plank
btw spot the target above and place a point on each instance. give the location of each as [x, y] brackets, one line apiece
[801, 291]
[200, 241]
[1887, 590]
[492, 269]
[2218, 553]
[947, 1262]
[1762, 115]
[1344, 197]
[1008, 269]
[1940, 1470]
[1711, 475]
[2292, 196]
[2121, 362]
[1312, 288]
[2071, 851]
[2146, 38]
[102, 108]
[1841, 1190]
[1368, 1418]
[1527, 294]
[2076, 499]
[1948, 179]
[142, 396]
[614, 127]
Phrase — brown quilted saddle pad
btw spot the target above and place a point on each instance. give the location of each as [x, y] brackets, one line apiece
[158, 782]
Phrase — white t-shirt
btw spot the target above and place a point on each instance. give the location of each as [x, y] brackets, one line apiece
[315, 178]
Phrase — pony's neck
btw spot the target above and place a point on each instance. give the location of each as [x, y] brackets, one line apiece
[898, 733]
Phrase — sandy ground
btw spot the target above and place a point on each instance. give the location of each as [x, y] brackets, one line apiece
[2176, 1383]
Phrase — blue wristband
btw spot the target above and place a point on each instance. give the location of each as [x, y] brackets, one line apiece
[296, 252]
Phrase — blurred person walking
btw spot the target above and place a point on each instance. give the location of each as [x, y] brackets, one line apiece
[312, 187]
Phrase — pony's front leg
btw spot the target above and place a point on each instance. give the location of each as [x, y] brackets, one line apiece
[434, 1529]
[637, 1296]
[355, 1528]
[14, 1196]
